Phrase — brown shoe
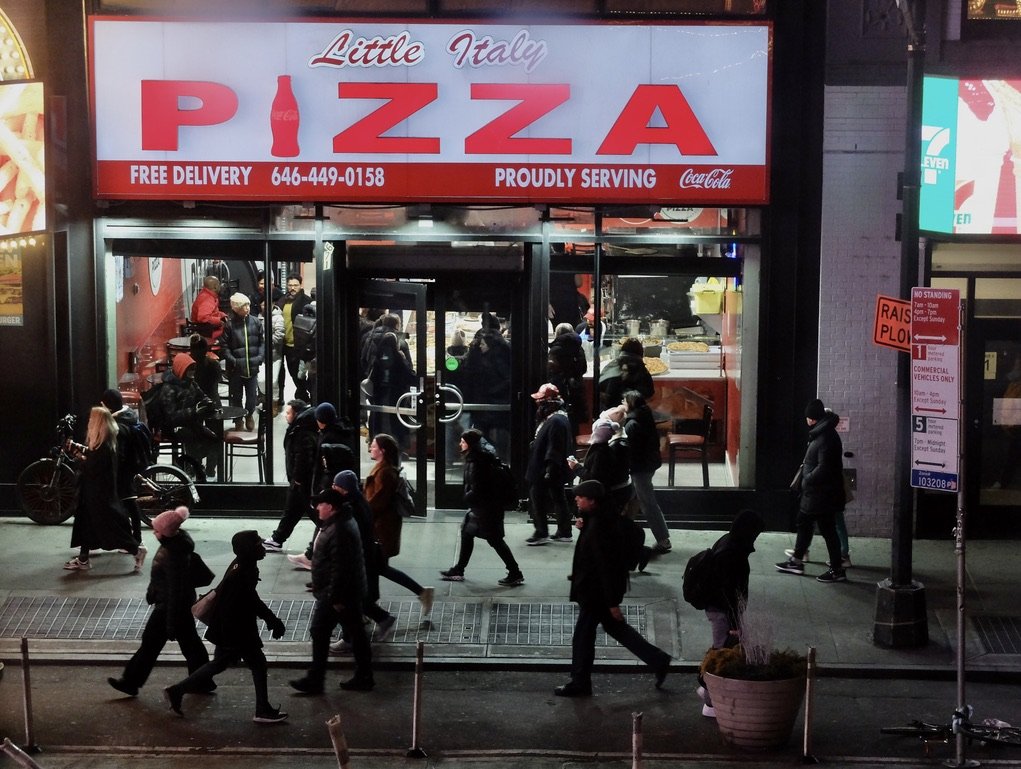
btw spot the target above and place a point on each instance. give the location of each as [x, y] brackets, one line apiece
[239, 424]
[250, 423]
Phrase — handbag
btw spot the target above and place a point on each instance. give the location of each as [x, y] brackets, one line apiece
[199, 575]
[204, 609]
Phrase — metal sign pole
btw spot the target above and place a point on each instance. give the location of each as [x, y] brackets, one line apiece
[959, 550]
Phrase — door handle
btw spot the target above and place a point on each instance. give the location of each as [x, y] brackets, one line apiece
[460, 402]
[411, 424]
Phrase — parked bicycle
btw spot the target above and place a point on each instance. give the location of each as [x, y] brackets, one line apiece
[990, 730]
[48, 488]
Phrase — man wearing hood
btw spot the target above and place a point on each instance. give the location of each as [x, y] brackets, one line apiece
[728, 591]
[821, 493]
[185, 408]
[626, 372]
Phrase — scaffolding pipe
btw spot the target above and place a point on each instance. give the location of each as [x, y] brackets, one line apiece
[18, 755]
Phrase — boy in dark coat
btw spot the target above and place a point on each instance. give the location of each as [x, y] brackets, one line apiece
[300, 441]
[725, 604]
[598, 583]
[234, 630]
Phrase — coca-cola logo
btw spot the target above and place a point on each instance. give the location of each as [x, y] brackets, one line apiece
[714, 179]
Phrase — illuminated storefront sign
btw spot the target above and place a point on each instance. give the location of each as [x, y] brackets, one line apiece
[376, 111]
[971, 157]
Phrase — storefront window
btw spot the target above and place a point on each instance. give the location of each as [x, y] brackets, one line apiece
[161, 305]
[676, 338]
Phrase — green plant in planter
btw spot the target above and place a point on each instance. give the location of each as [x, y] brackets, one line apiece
[759, 665]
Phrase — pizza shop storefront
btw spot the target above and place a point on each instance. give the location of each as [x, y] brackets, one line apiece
[395, 166]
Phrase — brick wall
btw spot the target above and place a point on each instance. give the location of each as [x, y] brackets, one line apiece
[860, 258]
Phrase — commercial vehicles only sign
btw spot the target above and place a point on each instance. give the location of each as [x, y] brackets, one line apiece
[379, 111]
[935, 388]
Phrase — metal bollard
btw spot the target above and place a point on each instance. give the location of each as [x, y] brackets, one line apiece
[339, 742]
[806, 752]
[26, 679]
[416, 751]
[636, 741]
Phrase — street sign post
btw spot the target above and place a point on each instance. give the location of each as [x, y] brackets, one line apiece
[935, 388]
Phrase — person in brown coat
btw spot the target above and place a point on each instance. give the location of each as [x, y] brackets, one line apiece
[380, 488]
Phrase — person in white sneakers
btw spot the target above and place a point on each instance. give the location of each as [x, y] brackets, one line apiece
[100, 522]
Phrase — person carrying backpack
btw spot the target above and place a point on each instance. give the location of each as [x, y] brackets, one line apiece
[724, 586]
[484, 518]
[134, 454]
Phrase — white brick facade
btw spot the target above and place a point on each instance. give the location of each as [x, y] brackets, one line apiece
[863, 150]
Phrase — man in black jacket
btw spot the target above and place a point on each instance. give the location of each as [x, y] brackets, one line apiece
[339, 587]
[599, 578]
[300, 442]
[822, 493]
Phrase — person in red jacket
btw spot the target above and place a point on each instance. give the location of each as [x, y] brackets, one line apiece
[205, 310]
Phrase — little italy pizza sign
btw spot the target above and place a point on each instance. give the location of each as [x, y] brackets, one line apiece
[367, 111]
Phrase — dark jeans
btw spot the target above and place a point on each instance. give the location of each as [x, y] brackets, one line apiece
[154, 638]
[324, 619]
[238, 386]
[583, 645]
[827, 523]
[296, 507]
[545, 498]
[399, 577]
[469, 531]
[223, 658]
[292, 363]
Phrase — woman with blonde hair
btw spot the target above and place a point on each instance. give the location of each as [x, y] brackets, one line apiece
[100, 522]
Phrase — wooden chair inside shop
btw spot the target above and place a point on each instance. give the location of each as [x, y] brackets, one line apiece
[695, 442]
[246, 443]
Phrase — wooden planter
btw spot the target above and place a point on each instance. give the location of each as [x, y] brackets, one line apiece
[756, 715]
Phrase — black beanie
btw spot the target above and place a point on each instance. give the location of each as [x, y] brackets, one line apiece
[815, 410]
[247, 545]
[112, 399]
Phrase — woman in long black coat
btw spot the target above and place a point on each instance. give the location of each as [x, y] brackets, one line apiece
[484, 518]
[100, 522]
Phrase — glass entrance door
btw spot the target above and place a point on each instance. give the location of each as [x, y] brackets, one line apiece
[436, 360]
[995, 420]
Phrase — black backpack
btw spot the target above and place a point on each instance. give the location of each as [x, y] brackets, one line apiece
[154, 415]
[137, 446]
[698, 583]
[632, 540]
[305, 336]
[503, 484]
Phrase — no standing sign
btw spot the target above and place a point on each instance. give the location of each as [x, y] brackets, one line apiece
[935, 388]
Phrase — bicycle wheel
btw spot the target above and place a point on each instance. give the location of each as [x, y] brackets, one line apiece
[48, 492]
[1004, 735]
[173, 488]
[191, 467]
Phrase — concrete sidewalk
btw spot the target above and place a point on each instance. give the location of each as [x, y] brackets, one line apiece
[836, 619]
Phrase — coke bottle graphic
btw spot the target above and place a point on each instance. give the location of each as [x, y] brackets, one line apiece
[284, 120]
